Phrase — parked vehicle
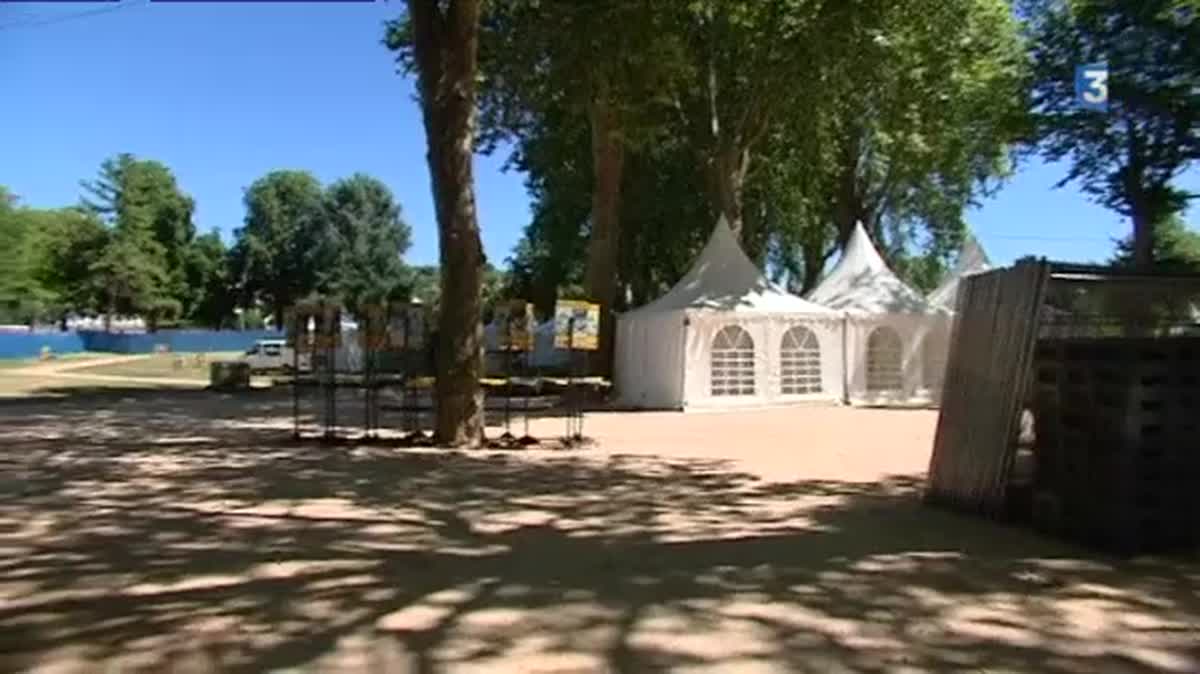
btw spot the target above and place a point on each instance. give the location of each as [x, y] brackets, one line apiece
[274, 355]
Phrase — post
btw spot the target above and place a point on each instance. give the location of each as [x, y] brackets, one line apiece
[845, 359]
[295, 376]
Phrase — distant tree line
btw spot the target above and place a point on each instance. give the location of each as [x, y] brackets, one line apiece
[130, 247]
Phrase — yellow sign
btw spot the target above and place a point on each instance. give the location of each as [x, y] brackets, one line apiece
[576, 325]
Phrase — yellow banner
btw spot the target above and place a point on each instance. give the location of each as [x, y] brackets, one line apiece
[576, 325]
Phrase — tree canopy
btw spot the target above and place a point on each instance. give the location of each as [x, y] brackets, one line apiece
[793, 119]
[1129, 157]
[369, 239]
[130, 247]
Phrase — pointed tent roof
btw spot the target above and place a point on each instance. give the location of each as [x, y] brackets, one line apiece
[971, 260]
[723, 277]
[862, 283]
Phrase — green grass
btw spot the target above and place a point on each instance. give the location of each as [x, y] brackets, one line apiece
[190, 366]
[15, 363]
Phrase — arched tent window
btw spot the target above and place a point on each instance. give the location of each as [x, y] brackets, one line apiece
[884, 360]
[732, 362]
[800, 362]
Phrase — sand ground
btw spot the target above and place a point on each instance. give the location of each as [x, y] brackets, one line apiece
[183, 531]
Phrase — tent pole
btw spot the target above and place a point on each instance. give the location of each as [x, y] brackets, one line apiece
[845, 359]
[683, 401]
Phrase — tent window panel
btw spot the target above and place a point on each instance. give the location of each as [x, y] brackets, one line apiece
[732, 362]
[800, 362]
[884, 360]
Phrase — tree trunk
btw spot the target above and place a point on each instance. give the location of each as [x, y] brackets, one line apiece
[445, 41]
[1143, 240]
[727, 157]
[1140, 201]
[727, 178]
[814, 264]
[110, 310]
[280, 306]
[847, 206]
[608, 159]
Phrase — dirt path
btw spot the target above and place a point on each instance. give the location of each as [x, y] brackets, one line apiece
[181, 532]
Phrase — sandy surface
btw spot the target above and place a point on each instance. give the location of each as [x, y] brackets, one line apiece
[182, 531]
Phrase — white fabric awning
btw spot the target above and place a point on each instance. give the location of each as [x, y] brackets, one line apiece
[971, 260]
[724, 278]
[862, 283]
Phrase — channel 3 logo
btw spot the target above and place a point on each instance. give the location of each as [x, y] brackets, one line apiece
[1091, 86]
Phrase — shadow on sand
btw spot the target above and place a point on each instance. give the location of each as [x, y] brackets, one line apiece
[172, 531]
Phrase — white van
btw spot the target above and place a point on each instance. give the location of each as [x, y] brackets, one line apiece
[274, 354]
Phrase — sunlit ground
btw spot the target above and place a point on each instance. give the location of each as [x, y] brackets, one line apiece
[183, 531]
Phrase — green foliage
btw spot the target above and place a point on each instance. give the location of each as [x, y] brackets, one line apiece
[131, 248]
[253, 319]
[368, 239]
[144, 267]
[22, 298]
[924, 102]
[423, 283]
[128, 276]
[209, 275]
[1128, 158]
[282, 248]
[1176, 248]
[799, 118]
[300, 240]
[45, 255]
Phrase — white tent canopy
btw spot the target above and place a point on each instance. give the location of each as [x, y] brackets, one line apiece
[971, 260]
[896, 340]
[726, 336]
[862, 283]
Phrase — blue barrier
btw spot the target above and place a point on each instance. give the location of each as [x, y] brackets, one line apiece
[175, 340]
[29, 344]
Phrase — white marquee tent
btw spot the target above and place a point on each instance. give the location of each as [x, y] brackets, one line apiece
[896, 340]
[971, 260]
[724, 336]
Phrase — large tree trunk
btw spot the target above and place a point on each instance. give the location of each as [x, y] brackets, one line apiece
[727, 180]
[278, 309]
[814, 265]
[726, 155]
[847, 203]
[608, 160]
[1140, 200]
[1143, 239]
[446, 41]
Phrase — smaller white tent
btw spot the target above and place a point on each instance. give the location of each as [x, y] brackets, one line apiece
[896, 341]
[971, 260]
[724, 336]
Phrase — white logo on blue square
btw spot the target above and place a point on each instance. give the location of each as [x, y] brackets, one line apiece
[1091, 86]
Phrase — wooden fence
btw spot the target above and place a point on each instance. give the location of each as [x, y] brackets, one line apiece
[987, 377]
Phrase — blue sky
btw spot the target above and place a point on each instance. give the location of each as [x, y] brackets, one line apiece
[223, 93]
